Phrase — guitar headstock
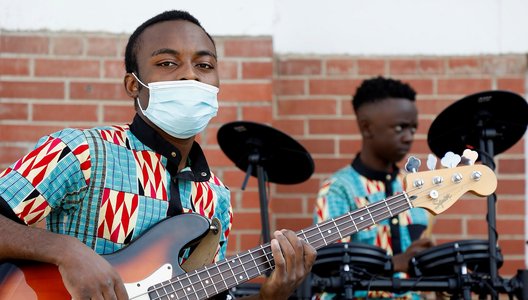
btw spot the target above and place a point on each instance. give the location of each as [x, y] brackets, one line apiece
[437, 190]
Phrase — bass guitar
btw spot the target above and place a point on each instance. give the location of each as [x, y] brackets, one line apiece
[149, 265]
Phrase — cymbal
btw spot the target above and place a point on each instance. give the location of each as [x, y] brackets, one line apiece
[499, 116]
[284, 159]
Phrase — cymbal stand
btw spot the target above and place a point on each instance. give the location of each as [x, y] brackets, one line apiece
[487, 149]
[255, 160]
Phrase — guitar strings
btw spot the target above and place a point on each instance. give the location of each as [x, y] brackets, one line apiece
[268, 265]
[401, 199]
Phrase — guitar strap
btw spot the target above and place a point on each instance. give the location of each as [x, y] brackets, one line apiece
[206, 250]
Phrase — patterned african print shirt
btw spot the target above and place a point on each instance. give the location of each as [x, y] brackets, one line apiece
[356, 186]
[107, 185]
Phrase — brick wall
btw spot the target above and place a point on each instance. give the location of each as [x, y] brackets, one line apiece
[51, 80]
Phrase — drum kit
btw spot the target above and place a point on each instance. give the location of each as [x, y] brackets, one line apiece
[488, 122]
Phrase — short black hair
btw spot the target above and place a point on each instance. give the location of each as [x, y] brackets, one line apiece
[132, 46]
[380, 88]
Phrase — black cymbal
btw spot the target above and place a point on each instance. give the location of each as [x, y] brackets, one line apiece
[498, 116]
[284, 159]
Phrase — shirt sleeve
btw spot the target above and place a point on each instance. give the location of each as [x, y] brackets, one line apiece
[334, 199]
[55, 174]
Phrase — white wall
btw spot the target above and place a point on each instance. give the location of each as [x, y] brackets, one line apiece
[367, 27]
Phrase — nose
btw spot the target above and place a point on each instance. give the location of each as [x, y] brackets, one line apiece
[408, 135]
[188, 72]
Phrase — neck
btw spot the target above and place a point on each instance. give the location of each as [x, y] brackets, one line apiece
[374, 162]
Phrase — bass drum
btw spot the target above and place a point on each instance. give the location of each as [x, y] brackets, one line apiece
[447, 259]
[362, 260]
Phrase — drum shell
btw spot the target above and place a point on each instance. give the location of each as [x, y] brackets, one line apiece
[449, 258]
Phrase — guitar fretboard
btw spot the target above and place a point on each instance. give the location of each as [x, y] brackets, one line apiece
[211, 280]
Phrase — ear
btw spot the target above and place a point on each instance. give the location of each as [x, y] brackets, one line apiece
[131, 85]
[365, 128]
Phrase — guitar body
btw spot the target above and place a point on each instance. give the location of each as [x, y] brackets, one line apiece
[148, 260]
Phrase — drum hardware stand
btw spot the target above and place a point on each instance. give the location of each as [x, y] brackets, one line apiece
[347, 278]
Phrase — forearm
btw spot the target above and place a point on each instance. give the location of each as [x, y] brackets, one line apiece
[30, 243]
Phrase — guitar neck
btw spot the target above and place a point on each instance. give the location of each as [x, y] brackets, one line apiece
[213, 279]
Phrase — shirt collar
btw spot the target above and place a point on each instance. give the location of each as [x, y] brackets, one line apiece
[147, 135]
[369, 173]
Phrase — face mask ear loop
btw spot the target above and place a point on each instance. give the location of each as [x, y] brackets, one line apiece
[137, 98]
[133, 74]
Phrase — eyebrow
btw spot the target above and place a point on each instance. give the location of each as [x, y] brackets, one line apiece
[175, 53]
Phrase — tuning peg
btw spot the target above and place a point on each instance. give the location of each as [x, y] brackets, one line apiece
[469, 157]
[412, 164]
[431, 162]
[450, 160]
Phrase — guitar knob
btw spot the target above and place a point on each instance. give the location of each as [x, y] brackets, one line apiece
[457, 178]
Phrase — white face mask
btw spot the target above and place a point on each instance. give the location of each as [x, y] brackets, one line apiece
[181, 108]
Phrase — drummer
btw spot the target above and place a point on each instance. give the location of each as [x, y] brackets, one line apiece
[387, 118]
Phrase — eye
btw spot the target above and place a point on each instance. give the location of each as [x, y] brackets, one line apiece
[398, 128]
[205, 66]
[167, 64]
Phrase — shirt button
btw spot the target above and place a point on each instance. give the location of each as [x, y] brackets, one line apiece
[203, 174]
[394, 221]
[173, 154]
[388, 177]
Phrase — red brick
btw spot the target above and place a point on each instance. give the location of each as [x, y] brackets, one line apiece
[310, 186]
[504, 64]
[225, 114]
[512, 247]
[250, 47]
[286, 87]
[14, 66]
[118, 114]
[421, 86]
[114, 69]
[249, 199]
[25, 133]
[511, 166]
[511, 266]
[66, 68]
[286, 205]
[463, 86]
[257, 70]
[65, 112]
[67, 45]
[300, 67]
[245, 92]
[102, 46]
[13, 111]
[235, 177]
[246, 220]
[371, 67]
[510, 207]
[24, 44]
[431, 66]
[447, 226]
[306, 107]
[227, 69]
[333, 86]
[341, 67]
[98, 91]
[318, 146]
[332, 126]
[248, 241]
[346, 107]
[515, 85]
[402, 66]
[216, 158]
[510, 186]
[259, 114]
[11, 154]
[464, 65]
[432, 106]
[292, 127]
[37, 90]
[330, 165]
